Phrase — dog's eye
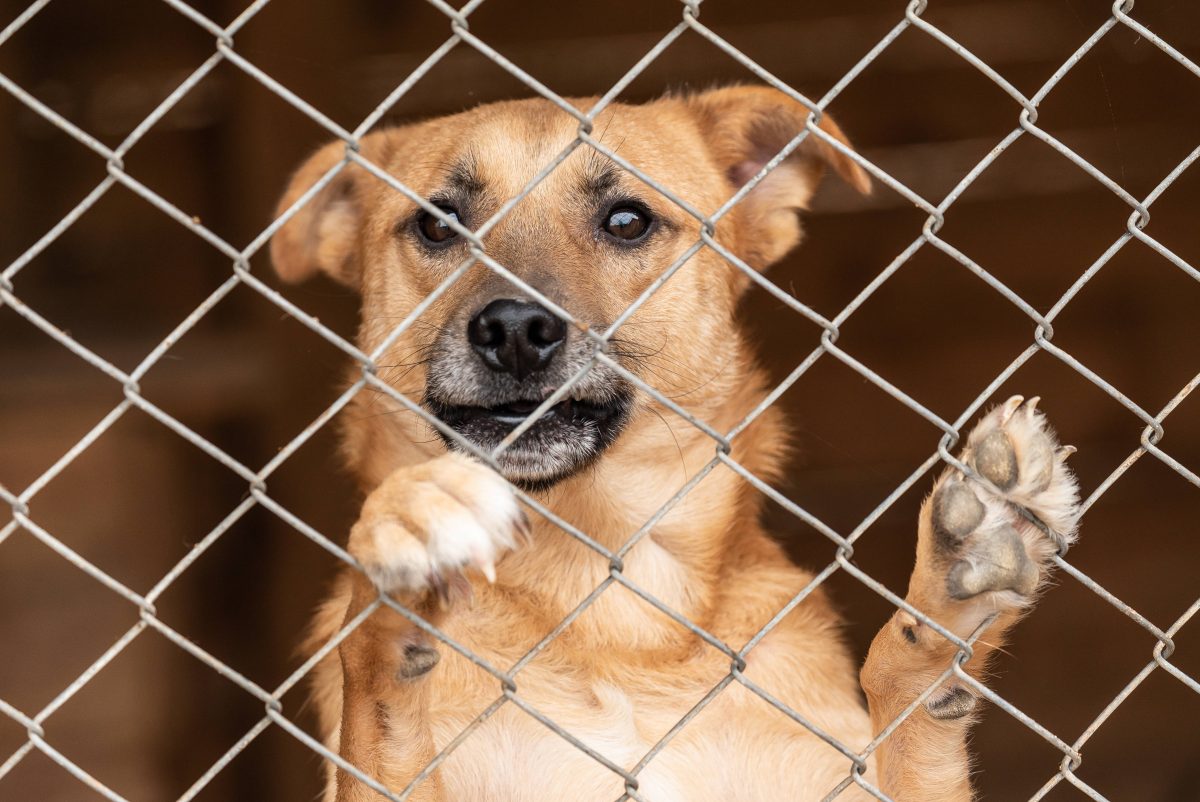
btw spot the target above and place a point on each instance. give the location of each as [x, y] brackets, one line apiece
[627, 223]
[435, 230]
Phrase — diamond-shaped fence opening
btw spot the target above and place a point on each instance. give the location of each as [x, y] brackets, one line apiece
[829, 312]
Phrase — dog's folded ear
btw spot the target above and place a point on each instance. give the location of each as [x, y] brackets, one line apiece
[745, 127]
[322, 236]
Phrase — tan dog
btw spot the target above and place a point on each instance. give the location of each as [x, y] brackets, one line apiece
[592, 238]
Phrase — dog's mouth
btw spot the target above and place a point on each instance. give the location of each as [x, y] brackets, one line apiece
[512, 414]
[562, 441]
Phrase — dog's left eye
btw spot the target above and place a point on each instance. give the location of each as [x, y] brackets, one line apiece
[627, 223]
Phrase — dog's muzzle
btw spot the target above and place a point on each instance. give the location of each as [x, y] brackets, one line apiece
[514, 356]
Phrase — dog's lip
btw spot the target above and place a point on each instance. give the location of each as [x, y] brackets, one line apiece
[560, 442]
[516, 411]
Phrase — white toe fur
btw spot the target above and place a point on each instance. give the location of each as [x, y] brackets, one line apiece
[427, 523]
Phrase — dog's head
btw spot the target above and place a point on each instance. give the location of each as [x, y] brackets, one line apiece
[590, 237]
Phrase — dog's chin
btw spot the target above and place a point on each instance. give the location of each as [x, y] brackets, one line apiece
[565, 440]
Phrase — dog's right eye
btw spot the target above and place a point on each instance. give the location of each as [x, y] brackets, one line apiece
[435, 230]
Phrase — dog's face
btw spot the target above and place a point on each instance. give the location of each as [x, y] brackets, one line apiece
[590, 236]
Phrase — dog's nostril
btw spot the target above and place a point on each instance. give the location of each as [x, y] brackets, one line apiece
[547, 331]
[514, 336]
[485, 332]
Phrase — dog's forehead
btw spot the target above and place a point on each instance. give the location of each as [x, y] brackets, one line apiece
[507, 151]
[504, 146]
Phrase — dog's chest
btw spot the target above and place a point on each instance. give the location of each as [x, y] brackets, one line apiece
[734, 749]
[513, 757]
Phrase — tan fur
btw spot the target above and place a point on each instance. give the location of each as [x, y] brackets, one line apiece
[622, 674]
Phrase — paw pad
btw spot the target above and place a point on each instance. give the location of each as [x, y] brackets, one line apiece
[418, 660]
[996, 460]
[998, 562]
[954, 703]
[957, 512]
[984, 531]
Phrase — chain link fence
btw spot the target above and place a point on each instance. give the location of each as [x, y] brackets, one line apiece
[1025, 125]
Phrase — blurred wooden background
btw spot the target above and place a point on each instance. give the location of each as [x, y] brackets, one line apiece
[249, 378]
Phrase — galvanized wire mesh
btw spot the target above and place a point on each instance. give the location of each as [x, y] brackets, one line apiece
[826, 345]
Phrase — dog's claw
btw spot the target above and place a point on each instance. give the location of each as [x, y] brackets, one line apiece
[489, 571]
[1010, 407]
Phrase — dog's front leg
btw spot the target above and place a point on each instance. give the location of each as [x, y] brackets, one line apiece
[417, 534]
[977, 556]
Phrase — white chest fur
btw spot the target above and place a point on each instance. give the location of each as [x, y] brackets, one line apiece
[737, 748]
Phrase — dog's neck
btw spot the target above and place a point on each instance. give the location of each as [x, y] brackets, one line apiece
[681, 558]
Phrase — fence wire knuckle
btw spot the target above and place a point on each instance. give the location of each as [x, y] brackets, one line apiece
[910, 21]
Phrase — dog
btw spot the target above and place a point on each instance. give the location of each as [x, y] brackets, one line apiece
[444, 535]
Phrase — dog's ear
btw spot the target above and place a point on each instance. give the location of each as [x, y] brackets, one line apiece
[745, 127]
[323, 234]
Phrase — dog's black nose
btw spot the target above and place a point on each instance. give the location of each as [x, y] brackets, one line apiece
[516, 336]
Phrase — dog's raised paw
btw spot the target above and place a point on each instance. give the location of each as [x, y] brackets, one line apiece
[425, 525]
[996, 536]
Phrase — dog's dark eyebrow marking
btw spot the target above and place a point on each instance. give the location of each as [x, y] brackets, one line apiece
[600, 181]
[462, 177]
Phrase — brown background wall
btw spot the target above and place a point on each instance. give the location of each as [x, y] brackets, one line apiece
[249, 378]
